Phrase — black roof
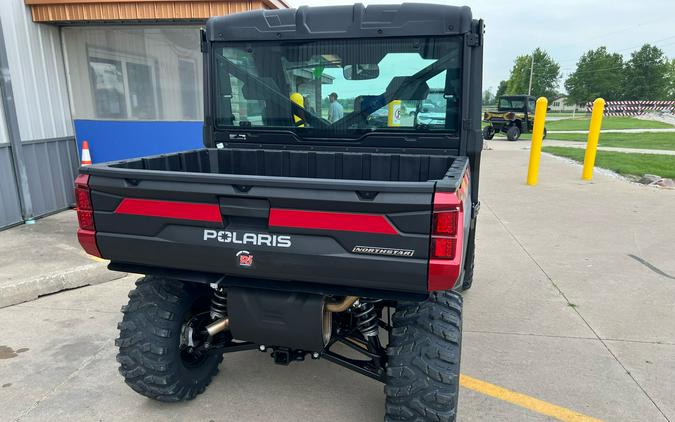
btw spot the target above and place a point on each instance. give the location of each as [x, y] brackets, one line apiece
[357, 21]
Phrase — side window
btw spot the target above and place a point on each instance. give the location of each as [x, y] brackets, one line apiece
[245, 112]
[531, 106]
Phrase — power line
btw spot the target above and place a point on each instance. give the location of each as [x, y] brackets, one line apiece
[627, 27]
[652, 42]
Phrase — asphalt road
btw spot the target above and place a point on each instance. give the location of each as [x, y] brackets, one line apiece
[570, 318]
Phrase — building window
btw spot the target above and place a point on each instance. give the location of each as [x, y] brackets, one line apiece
[108, 88]
[123, 86]
[141, 90]
[187, 71]
[134, 72]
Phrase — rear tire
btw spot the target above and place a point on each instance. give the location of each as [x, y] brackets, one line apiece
[513, 133]
[544, 134]
[424, 356]
[488, 132]
[152, 359]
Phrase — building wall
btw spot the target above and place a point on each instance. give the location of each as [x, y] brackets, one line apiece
[10, 208]
[38, 74]
[135, 90]
[41, 110]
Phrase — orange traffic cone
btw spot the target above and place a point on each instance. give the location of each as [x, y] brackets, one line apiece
[86, 156]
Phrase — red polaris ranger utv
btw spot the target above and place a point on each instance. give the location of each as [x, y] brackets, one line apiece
[304, 224]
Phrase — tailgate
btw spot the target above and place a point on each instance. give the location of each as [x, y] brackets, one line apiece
[366, 234]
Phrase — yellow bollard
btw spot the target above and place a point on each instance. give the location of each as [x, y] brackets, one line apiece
[593, 138]
[298, 99]
[537, 139]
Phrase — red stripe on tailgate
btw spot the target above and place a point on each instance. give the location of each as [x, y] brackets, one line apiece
[324, 220]
[170, 209]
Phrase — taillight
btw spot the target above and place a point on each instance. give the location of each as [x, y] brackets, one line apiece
[82, 198]
[86, 234]
[447, 238]
[445, 223]
[443, 247]
[86, 219]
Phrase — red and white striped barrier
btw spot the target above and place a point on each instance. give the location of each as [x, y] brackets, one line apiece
[634, 108]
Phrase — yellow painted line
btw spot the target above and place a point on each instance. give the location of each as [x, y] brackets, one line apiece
[94, 258]
[524, 400]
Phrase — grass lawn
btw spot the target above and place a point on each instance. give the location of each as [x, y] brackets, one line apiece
[623, 163]
[618, 122]
[565, 114]
[645, 140]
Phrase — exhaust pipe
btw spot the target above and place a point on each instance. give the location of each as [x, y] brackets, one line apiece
[218, 326]
[224, 323]
[341, 306]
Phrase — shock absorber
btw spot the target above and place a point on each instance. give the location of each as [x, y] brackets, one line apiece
[366, 317]
[218, 304]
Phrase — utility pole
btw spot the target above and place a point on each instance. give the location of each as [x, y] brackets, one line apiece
[529, 88]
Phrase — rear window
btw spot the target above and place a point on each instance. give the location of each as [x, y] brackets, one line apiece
[511, 104]
[340, 87]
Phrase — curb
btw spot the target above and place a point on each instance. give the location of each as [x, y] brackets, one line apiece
[31, 289]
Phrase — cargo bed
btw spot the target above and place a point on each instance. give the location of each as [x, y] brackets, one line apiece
[357, 219]
[323, 164]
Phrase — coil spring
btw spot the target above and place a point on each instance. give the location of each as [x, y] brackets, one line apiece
[366, 317]
[218, 304]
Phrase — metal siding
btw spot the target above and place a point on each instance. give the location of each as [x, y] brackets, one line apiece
[38, 74]
[52, 167]
[10, 208]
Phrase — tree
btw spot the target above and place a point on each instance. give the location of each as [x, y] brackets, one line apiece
[646, 74]
[488, 97]
[598, 74]
[671, 81]
[501, 89]
[545, 76]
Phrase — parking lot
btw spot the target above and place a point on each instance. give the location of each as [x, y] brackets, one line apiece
[571, 317]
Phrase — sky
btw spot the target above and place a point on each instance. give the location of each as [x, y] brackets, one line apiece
[565, 29]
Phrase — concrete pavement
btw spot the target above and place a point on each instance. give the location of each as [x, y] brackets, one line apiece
[44, 258]
[573, 304]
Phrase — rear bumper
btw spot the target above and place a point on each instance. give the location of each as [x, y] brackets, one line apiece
[498, 124]
[378, 255]
[289, 285]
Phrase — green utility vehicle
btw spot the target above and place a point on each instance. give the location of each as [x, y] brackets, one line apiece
[514, 116]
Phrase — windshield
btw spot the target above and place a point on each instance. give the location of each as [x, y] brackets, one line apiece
[339, 87]
[507, 104]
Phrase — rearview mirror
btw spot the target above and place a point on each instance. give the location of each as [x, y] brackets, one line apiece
[359, 72]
